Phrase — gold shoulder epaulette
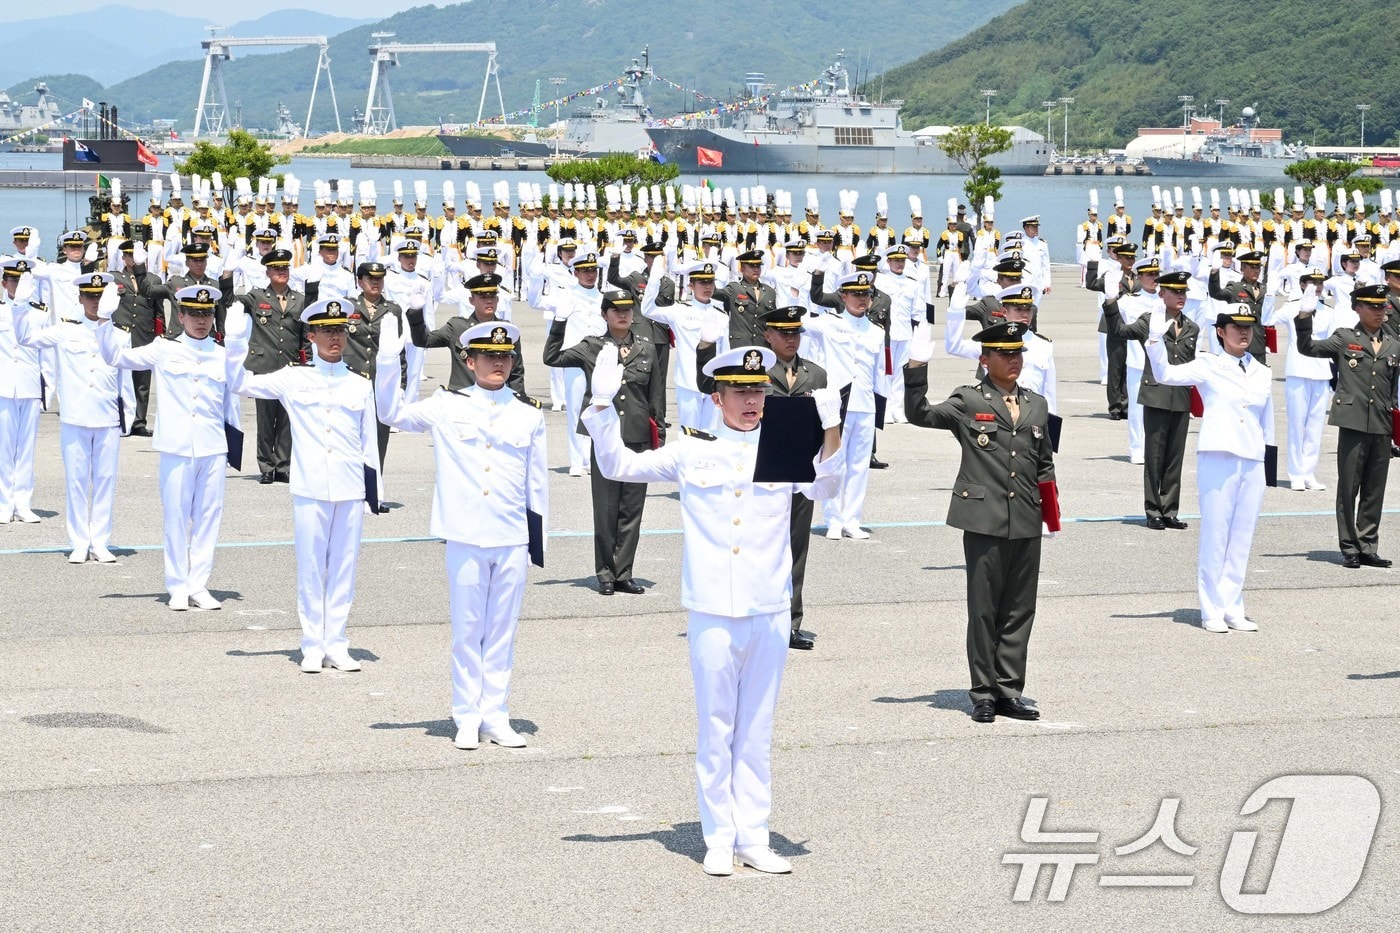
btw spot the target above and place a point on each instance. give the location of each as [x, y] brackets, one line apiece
[528, 400]
[697, 433]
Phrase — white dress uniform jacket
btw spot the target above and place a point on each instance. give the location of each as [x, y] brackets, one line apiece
[191, 383]
[1239, 406]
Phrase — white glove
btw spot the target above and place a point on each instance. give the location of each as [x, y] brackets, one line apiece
[561, 312]
[1309, 303]
[237, 324]
[391, 340]
[90, 254]
[1111, 280]
[1157, 324]
[108, 303]
[921, 347]
[607, 376]
[828, 407]
[712, 328]
[138, 254]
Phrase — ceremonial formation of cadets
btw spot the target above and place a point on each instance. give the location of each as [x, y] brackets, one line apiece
[794, 342]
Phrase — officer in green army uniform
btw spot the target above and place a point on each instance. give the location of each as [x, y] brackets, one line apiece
[1247, 290]
[617, 506]
[747, 301]
[636, 283]
[1114, 283]
[1007, 465]
[484, 292]
[1166, 410]
[135, 315]
[986, 308]
[362, 345]
[1366, 360]
[277, 339]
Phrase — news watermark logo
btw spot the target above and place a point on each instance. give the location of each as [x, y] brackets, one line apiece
[1320, 856]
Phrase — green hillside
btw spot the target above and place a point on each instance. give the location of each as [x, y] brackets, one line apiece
[587, 42]
[1305, 64]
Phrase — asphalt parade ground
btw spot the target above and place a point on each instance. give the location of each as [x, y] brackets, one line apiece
[175, 771]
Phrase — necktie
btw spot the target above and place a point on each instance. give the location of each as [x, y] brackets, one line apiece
[791, 376]
[1244, 367]
[1012, 406]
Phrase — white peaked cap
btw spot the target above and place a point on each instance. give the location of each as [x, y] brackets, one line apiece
[1094, 200]
[398, 190]
[882, 205]
[420, 193]
[449, 193]
[1196, 197]
[1118, 196]
[952, 209]
[1320, 197]
[989, 206]
[1214, 199]
[812, 199]
[1297, 197]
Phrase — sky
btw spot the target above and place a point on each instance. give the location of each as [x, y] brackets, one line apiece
[247, 9]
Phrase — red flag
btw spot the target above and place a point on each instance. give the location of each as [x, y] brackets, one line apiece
[711, 158]
[146, 155]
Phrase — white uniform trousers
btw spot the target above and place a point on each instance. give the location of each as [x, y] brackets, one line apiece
[486, 587]
[90, 465]
[19, 428]
[737, 665]
[126, 388]
[328, 548]
[192, 498]
[857, 444]
[696, 410]
[899, 354]
[556, 386]
[1137, 436]
[1307, 413]
[1232, 492]
[580, 445]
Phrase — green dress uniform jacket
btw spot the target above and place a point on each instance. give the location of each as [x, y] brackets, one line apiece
[278, 336]
[363, 342]
[746, 305]
[639, 399]
[449, 335]
[1246, 293]
[1181, 348]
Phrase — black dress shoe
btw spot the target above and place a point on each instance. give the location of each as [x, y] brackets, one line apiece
[1016, 708]
[1351, 561]
[1116, 416]
[629, 586]
[984, 711]
[1374, 560]
[282, 476]
[878, 464]
[382, 509]
[1156, 524]
[1174, 523]
[806, 634]
[266, 478]
[1394, 450]
[140, 430]
[605, 588]
[800, 642]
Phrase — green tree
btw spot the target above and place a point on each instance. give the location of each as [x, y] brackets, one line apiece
[615, 168]
[969, 147]
[243, 156]
[1313, 172]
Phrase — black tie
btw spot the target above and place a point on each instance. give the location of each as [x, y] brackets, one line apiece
[1243, 367]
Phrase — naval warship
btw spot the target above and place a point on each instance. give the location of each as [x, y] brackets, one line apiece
[825, 128]
[1243, 150]
[16, 117]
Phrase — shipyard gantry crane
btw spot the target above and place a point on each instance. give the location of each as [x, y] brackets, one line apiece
[384, 55]
[209, 116]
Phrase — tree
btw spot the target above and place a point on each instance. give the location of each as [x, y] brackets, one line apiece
[615, 168]
[969, 147]
[1329, 172]
[243, 156]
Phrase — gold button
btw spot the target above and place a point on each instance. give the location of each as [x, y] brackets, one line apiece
[1013, 453]
[1011, 495]
[736, 521]
[488, 445]
[1013, 473]
[488, 470]
[622, 398]
[736, 550]
[964, 493]
[738, 493]
[486, 492]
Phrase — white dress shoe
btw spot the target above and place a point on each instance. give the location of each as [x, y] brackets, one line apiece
[504, 736]
[26, 516]
[5, 519]
[857, 532]
[1215, 625]
[1311, 483]
[467, 738]
[312, 663]
[103, 556]
[179, 603]
[341, 661]
[719, 861]
[763, 858]
[575, 471]
[1241, 625]
[203, 600]
[1297, 485]
[78, 556]
[833, 532]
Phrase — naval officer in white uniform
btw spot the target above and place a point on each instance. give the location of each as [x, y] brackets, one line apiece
[335, 456]
[195, 406]
[492, 485]
[736, 583]
[21, 394]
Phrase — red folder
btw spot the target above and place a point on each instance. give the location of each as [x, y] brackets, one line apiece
[1395, 425]
[1198, 405]
[1271, 338]
[889, 362]
[1050, 505]
[655, 434]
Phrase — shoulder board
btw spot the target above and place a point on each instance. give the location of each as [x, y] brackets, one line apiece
[698, 434]
[38, 306]
[166, 336]
[1040, 336]
[533, 402]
